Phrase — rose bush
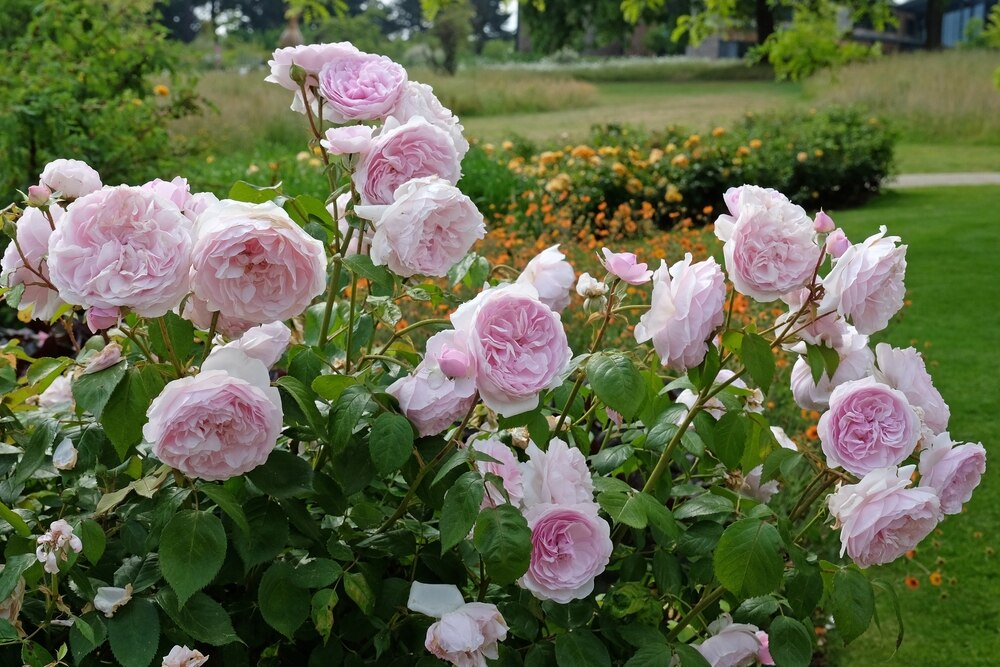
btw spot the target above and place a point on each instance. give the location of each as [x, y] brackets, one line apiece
[256, 455]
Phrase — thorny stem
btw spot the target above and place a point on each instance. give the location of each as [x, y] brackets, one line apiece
[707, 601]
[174, 360]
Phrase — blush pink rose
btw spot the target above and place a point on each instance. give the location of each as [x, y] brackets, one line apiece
[770, 249]
[265, 343]
[31, 268]
[952, 470]
[746, 196]
[55, 544]
[764, 654]
[880, 519]
[556, 476]
[72, 179]
[687, 306]
[519, 345]
[869, 425]
[866, 283]
[837, 243]
[99, 319]
[347, 140]
[856, 362]
[110, 355]
[732, 644]
[197, 311]
[311, 58]
[427, 229]
[39, 195]
[402, 152]
[419, 100]
[505, 467]
[362, 86]
[552, 276]
[467, 636]
[823, 223]
[905, 370]
[220, 423]
[122, 247]
[176, 191]
[182, 656]
[570, 546]
[251, 262]
[625, 266]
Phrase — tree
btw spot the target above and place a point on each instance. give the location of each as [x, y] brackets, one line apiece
[452, 25]
[488, 21]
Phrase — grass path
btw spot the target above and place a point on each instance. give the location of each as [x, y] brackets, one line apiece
[954, 283]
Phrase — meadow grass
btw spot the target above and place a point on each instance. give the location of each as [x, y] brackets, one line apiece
[954, 320]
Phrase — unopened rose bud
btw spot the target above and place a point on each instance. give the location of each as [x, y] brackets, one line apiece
[39, 195]
[298, 74]
[102, 318]
[824, 223]
[837, 243]
[454, 363]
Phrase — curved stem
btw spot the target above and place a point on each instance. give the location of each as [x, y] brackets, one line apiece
[707, 601]
[331, 298]
[413, 327]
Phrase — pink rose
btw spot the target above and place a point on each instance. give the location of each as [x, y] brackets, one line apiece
[58, 395]
[347, 140]
[753, 400]
[106, 358]
[197, 311]
[905, 370]
[519, 345]
[570, 546]
[770, 249]
[751, 486]
[39, 195]
[220, 423]
[427, 229]
[731, 644]
[505, 467]
[252, 262]
[99, 319]
[265, 343]
[866, 283]
[837, 243]
[72, 179]
[552, 276]
[402, 152]
[746, 196]
[55, 545]
[31, 269]
[856, 362]
[419, 100]
[310, 57]
[625, 266]
[467, 636]
[687, 306]
[880, 518]
[122, 247]
[176, 191]
[823, 223]
[952, 470]
[764, 654]
[557, 476]
[361, 86]
[182, 656]
[869, 425]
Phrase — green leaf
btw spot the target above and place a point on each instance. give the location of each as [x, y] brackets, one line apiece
[891, 592]
[283, 475]
[269, 534]
[503, 539]
[92, 391]
[14, 567]
[125, 413]
[362, 265]
[192, 549]
[758, 357]
[817, 364]
[804, 589]
[93, 538]
[461, 508]
[134, 633]
[227, 502]
[852, 603]
[36, 655]
[254, 194]
[282, 604]
[323, 602]
[730, 439]
[304, 399]
[789, 643]
[203, 618]
[8, 633]
[581, 648]
[653, 655]
[46, 368]
[617, 382]
[318, 573]
[667, 572]
[15, 521]
[331, 387]
[748, 558]
[658, 516]
[390, 442]
[34, 453]
[181, 338]
[624, 508]
[82, 645]
[756, 611]
[779, 460]
[689, 656]
[358, 589]
[706, 504]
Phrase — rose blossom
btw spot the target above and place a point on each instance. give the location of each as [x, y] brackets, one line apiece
[99, 319]
[624, 265]
[55, 544]
[952, 470]
[764, 654]
[905, 370]
[519, 345]
[122, 247]
[220, 423]
[770, 248]
[265, 343]
[33, 233]
[552, 276]
[837, 243]
[64, 456]
[589, 287]
[361, 86]
[869, 425]
[570, 545]
[856, 362]
[427, 229]
[746, 196]
[402, 152]
[311, 58]
[110, 355]
[733, 644]
[866, 283]
[467, 636]
[823, 223]
[72, 179]
[182, 656]
[347, 140]
[252, 262]
[418, 99]
[687, 305]
[58, 395]
[880, 518]
[197, 311]
[753, 402]
[505, 467]
[39, 195]
[557, 476]
[176, 191]
[110, 599]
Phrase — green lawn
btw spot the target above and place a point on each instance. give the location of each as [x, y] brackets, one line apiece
[953, 235]
[917, 158]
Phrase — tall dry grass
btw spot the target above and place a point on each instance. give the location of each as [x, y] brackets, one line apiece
[937, 97]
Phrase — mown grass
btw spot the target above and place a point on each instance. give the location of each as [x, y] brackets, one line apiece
[954, 320]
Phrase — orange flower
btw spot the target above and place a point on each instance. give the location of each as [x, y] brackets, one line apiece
[912, 583]
[756, 143]
[935, 578]
[160, 90]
